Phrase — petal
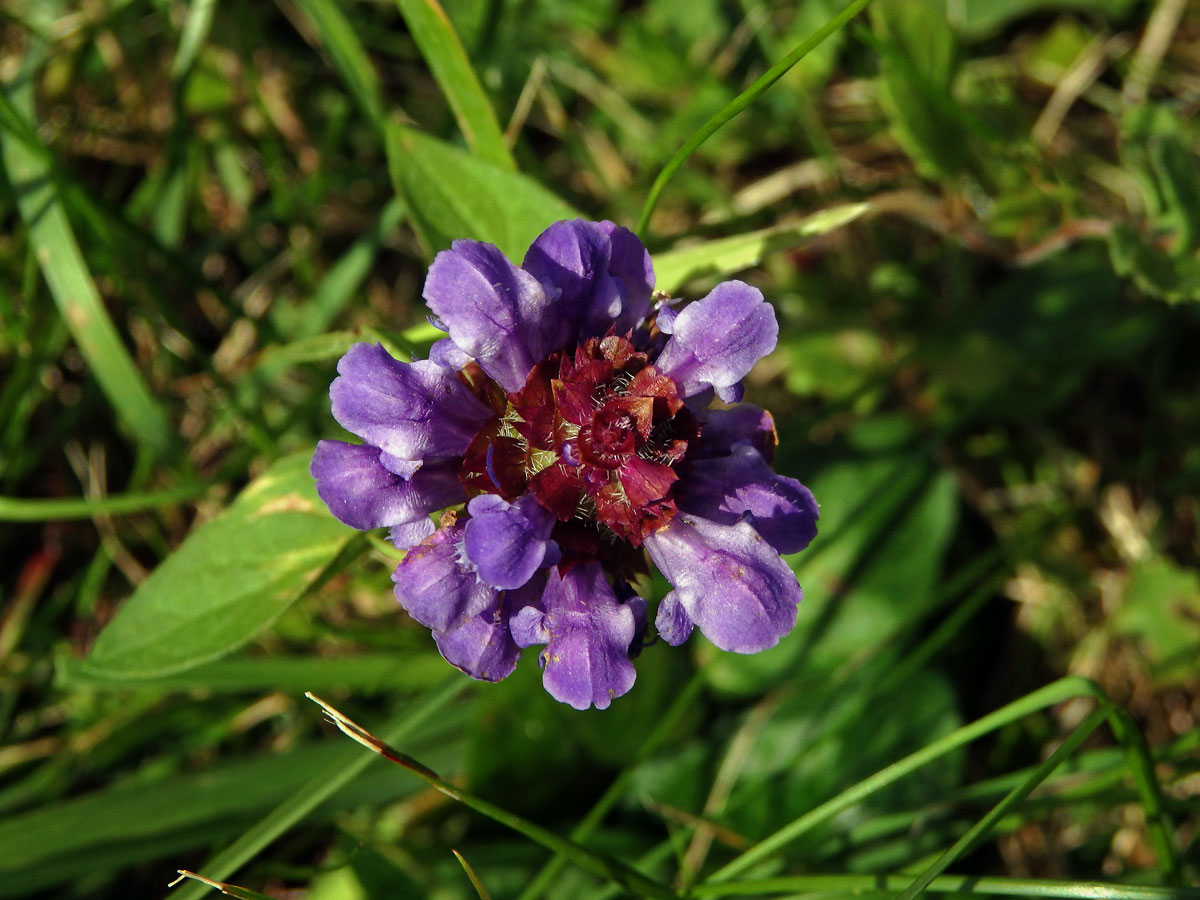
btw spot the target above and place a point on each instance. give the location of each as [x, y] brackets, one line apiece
[435, 588]
[483, 646]
[731, 583]
[672, 621]
[508, 542]
[494, 311]
[720, 429]
[588, 635]
[446, 353]
[361, 492]
[572, 258]
[409, 410]
[742, 486]
[717, 340]
[630, 263]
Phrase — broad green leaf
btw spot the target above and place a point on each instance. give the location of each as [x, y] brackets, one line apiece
[919, 61]
[447, 59]
[452, 194]
[62, 264]
[229, 579]
[349, 57]
[1161, 610]
[725, 256]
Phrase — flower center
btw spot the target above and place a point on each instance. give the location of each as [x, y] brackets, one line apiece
[594, 435]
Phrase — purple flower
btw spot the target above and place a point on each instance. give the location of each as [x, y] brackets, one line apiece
[563, 422]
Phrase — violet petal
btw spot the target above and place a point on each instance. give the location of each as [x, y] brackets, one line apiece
[741, 486]
[672, 621]
[572, 258]
[435, 588]
[408, 410]
[495, 312]
[630, 263]
[717, 340]
[483, 646]
[508, 542]
[720, 429]
[588, 634]
[361, 492]
[729, 580]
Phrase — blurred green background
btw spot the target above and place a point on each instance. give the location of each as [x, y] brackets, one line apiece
[978, 222]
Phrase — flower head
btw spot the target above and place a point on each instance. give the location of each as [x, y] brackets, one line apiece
[564, 423]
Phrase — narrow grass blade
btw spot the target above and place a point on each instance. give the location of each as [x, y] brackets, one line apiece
[472, 877]
[1056, 692]
[229, 890]
[968, 885]
[980, 829]
[195, 29]
[324, 784]
[349, 57]
[447, 59]
[57, 509]
[601, 866]
[724, 256]
[71, 285]
[739, 103]
[617, 788]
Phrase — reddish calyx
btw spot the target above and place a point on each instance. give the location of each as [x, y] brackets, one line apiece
[594, 435]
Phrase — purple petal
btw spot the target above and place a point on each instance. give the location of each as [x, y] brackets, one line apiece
[717, 340]
[631, 264]
[495, 312]
[408, 410]
[482, 648]
[435, 588]
[405, 468]
[588, 634]
[508, 542]
[361, 492]
[446, 353]
[721, 429]
[672, 621]
[571, 258]
[729, 580]
[742, 486]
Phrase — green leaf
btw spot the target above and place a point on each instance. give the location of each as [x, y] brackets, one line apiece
[447, 60]
[919, 61]
[452, 194]
[29, 171]
[349, 57]
[1161, 609]
[725, 256]
[229, 579]
[1155, 272]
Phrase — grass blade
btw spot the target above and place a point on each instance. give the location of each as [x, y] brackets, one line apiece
[67, 275]
[25, 509]
[349, 57]
[969, 885]
[980, 829]
[739, 103]
[229, 890]
[323, 785]
[447, 60]
[1051, 694]
[195, 30]
[602, 866]
[472, 877]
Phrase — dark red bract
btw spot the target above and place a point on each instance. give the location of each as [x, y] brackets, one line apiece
[594, 435]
